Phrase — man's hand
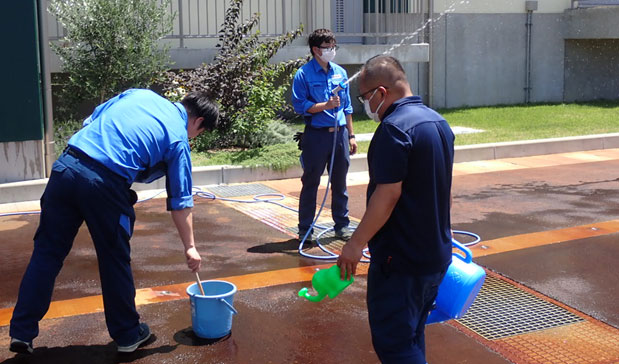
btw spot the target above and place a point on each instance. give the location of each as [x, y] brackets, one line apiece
[353, 146]
[378, 211]
[298, 137]
[334, 101]
[349, 258]
[193, 259]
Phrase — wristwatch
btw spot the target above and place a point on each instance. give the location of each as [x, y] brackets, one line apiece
[351, 136]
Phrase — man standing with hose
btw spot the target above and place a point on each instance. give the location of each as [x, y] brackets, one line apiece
[135, 136]
[324, 114]
[407, 219]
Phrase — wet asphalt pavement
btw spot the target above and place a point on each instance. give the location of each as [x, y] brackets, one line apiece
[274, 325]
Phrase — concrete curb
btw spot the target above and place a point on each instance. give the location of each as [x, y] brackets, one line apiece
[215, 175]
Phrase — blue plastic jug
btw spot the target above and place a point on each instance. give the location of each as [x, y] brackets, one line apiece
[458, 290]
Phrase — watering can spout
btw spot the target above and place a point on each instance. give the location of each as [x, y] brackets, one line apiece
[305, 294]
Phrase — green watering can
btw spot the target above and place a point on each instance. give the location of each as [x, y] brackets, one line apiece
[326, 282]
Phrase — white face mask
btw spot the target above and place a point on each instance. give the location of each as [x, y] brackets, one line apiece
[327, 55]
[368, 109]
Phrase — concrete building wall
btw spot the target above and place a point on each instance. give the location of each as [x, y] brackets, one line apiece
[591, 69]
[592, 23]
[21, 161]
[478, 47]
[479, 59]
[483, 63]
[547, 50]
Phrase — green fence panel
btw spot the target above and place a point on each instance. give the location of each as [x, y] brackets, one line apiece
[21, 101]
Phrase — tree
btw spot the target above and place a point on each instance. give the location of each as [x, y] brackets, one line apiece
[241, 80]
[110, 45]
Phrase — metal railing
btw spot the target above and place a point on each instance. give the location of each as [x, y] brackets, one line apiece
[363, 19]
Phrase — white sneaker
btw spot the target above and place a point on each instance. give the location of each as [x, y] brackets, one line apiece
[22, 347]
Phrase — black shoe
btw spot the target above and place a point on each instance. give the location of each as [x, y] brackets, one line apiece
[143, 336]
[343, 233]
[309, 238]
[22, 347]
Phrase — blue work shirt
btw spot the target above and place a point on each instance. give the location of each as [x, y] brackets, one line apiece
[141, 136]
[312, 85]
[414, 145]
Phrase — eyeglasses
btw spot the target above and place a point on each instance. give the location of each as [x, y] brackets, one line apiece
[361, 98]
[334, 48]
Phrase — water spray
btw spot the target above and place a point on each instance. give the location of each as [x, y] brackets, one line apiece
[430, 20]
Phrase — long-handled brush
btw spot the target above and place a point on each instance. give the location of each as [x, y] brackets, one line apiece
[199, 283]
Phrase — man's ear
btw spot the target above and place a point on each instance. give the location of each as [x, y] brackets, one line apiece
[199, 121]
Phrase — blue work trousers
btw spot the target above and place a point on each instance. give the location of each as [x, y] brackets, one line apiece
[317, 146]
[80, 189]
[398, 306]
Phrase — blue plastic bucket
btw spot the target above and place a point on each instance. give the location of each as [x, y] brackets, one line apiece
[211, 314]
[459, 287]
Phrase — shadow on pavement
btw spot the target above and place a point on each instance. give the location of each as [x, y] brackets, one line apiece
[286, 247]
[94, 353]
[189, 338]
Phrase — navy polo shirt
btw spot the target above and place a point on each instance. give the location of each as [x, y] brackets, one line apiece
[312, 85]
[414, 145]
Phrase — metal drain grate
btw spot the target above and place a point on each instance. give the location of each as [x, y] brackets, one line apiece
[241, 190]
[502, 310]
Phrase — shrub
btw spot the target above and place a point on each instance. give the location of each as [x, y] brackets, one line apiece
[110, 45]
[242, 81]
[63, 131]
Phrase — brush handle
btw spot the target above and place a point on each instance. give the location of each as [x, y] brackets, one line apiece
[199, 284]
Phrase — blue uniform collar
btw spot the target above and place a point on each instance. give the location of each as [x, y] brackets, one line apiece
[318, 67]
[182, 111]
[402, 101]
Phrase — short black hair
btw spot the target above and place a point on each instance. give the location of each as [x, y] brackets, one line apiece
[320, 36]
[198, 104]
[384, 68]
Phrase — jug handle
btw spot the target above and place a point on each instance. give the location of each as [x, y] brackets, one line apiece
[230, 307]
[468, 256]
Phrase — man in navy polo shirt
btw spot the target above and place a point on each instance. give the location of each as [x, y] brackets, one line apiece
[407, 219]
[135, 136]
[325, 114]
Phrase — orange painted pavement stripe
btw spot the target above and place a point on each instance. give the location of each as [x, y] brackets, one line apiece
[523, 241]
[144, 296]
[91, 304]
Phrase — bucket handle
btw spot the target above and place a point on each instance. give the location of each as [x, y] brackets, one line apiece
[230, 307]
[468, 256]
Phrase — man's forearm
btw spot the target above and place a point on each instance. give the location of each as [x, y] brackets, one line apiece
[183, 220]
[379, 209]
[318, 107]
[349, 124]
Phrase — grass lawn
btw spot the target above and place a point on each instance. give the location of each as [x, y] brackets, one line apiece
[500, 124]
[511, 123]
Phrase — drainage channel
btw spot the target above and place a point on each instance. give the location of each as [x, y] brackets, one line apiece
[527, 327]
